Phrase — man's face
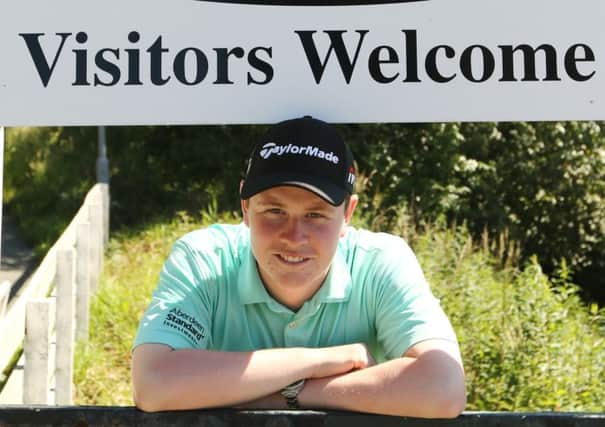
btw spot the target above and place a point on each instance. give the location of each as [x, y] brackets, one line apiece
[294, 235]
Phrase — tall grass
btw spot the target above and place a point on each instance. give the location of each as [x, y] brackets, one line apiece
[528, 343]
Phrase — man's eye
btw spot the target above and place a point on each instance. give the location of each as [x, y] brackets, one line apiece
[315, 215]
[275, 211]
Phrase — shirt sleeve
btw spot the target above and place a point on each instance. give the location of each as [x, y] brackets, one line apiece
[407, 312]
[179, 312]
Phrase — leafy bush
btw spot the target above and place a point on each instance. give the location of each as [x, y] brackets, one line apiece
[47, 173]
[527, 343]
[541, 184]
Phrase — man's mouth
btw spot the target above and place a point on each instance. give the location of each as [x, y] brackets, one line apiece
[291, 259]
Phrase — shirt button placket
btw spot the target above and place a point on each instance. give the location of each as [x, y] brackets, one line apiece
[290, 334]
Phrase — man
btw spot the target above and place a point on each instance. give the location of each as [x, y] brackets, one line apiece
[293, 308]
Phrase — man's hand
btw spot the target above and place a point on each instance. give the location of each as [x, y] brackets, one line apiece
[340, 359]
[427, 381]
[329, 362]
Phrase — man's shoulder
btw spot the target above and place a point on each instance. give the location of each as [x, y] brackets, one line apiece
[376, 252]
[357, 239]
[216, 238]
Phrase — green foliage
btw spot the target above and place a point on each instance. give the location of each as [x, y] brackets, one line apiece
[163, 170]
[540, 185]
[528, 344]
[155, 171]
[47, 174]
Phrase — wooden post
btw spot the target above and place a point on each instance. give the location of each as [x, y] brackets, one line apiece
[65, 330]
[82, 280]
[5, 290]
[96, 245]
[36, 348]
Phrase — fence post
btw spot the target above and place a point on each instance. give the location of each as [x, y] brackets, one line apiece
[83, 268]
[36, 349]
[96, 245]
[65, 329]
[5, 290]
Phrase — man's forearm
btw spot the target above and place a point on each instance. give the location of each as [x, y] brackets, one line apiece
[430, 386]
[166, 379]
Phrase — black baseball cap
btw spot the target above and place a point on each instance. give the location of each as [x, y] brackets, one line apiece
[303, 152]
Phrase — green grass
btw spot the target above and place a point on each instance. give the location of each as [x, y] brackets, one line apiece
[527, 344]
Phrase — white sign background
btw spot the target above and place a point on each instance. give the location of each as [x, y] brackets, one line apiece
[292, 90]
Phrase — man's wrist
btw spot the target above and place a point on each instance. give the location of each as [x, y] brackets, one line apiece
[291, 392]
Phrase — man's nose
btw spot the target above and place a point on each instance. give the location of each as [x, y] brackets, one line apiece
[295, 231]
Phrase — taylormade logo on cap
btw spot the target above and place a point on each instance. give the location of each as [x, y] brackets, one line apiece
[271, 148]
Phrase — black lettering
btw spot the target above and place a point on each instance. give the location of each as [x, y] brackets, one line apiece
[529, 62]
[134, 73]
[411, 56]
[81, 61]
[32, 41]
[430, 63]
[155, 52]
[337, 45]
[109, 67]
[374, 63]
[222, 63]
[201, 69]
[466, 64]
[260, 65]
[571, 60]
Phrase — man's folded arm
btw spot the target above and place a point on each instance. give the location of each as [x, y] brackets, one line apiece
[428, 381]
[167, 379]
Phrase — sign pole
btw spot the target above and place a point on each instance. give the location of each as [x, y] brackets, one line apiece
[102, 161]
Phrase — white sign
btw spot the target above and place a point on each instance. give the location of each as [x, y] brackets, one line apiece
[115, 62]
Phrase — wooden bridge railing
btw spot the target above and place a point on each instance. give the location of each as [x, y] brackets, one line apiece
[56, 299]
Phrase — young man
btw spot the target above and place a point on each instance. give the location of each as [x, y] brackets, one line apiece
[293, 308]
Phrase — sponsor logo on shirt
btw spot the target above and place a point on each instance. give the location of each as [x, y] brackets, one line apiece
[186, 324]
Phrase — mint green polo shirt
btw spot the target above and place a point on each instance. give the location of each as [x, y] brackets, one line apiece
[210, 296]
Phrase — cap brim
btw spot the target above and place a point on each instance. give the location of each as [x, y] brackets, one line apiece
[326, 190]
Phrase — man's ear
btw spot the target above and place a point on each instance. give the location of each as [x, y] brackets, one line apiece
[244, 204]
[349, 213]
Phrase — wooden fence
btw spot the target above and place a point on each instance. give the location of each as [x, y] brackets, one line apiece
[52, 312]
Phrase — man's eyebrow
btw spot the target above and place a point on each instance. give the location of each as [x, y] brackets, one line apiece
[267, 200]
[273, 201]
[318, 207]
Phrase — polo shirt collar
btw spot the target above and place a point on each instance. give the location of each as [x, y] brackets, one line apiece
[336, 287]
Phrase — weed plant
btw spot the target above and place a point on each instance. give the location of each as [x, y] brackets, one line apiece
[528, 344]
